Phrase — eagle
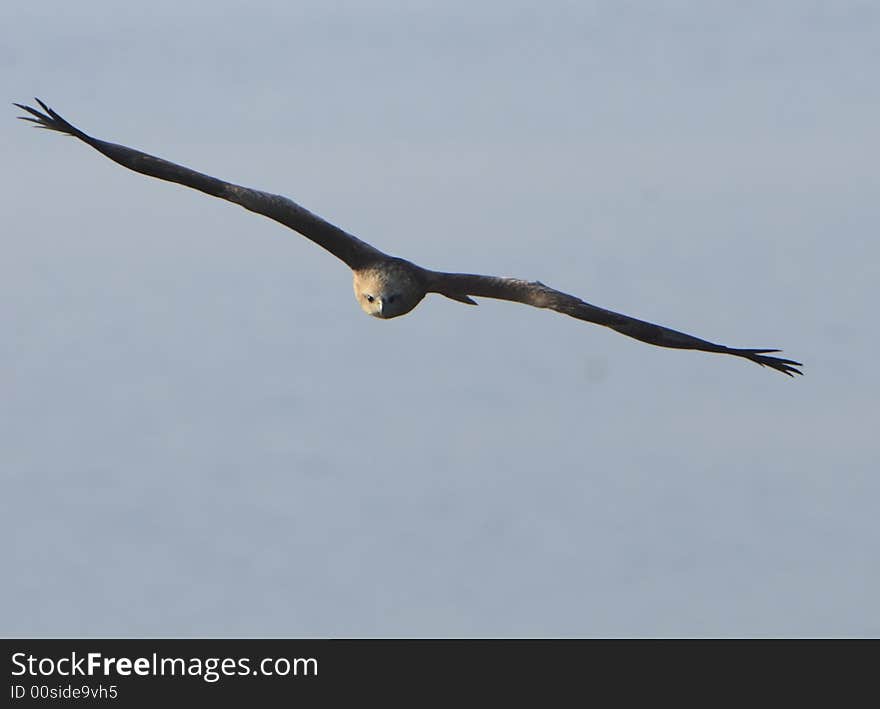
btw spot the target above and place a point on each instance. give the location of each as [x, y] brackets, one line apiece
[387, 286]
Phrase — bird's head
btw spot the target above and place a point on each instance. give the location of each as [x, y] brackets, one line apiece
[387, 291]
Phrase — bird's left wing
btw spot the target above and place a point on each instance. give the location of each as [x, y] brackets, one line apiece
[459, 286]
[351, 250]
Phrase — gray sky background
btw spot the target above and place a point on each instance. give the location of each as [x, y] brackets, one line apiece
[202, 435]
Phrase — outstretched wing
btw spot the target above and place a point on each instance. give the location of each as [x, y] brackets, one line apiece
[341, 244]
[459, 286]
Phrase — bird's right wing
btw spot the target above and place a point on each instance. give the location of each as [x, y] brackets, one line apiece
[460, 286]
[341, 244]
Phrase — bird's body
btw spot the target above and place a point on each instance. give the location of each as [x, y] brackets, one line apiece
[386, 286]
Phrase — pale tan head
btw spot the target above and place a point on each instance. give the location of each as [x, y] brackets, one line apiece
[387, 291]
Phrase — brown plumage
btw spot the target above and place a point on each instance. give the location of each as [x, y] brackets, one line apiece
[386, 286]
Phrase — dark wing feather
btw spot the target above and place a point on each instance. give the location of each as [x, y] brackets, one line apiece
[459, 286]
[341, 244]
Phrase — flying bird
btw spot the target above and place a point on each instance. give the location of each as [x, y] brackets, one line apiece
[386, 286]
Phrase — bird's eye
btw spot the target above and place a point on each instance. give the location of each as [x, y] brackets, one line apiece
[370, 299]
